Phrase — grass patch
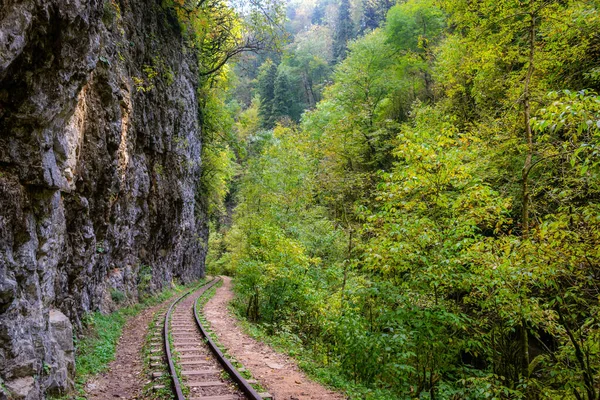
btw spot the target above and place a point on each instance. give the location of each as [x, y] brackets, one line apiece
[148, 392]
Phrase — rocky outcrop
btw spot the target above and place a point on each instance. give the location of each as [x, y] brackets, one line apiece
[62, 369]
[99, 173]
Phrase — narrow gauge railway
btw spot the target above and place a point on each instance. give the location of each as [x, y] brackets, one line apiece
[199, 370]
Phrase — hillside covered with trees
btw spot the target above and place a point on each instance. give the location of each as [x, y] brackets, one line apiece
[408, 195]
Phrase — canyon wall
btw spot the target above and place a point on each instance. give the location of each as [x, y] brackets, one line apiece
[99, 173]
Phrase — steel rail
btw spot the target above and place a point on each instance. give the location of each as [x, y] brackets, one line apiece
[174, 378]
[225, 363]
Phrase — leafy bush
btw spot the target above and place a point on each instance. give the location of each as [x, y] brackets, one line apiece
[117, 296]
[144, 281]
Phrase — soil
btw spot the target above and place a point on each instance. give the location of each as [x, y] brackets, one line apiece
[275, 371]
[124, 378]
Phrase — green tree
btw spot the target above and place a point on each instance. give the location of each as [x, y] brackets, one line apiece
[309, 57]
[221, 31]
[350, 128]
[266, 91]
[344, 31]
[414, 27]
[374, 13]
[282, 96]
[319, 12]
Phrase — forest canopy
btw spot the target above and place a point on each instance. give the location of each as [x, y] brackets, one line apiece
[412, 196]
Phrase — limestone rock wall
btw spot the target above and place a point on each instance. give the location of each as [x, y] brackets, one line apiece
[99, 173]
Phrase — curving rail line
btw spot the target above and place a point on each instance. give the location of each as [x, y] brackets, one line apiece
[200, 362]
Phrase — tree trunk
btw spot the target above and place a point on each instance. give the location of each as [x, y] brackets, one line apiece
[528, 131]
[525, 178]
[346, 271]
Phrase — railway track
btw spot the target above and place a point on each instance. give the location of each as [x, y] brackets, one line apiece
[198, 369]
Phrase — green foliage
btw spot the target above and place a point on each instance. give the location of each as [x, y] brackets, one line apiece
[153, 73]
[117, 296]
[111, 12]
[318, 15]
[308, 60]
[219, 30]
[146, 83]
[414, 25]
[218, 158]
[281, 95]
[217, 260]
[431, 228]
[350, 126]
[344, 31]
[297, 82]
[97, 347]
[266, 91]
[144, 282]
[374, 13]
[218, 169]
[576, 116]
[248, 123]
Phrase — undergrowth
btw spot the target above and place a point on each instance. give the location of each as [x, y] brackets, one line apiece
[329, 375]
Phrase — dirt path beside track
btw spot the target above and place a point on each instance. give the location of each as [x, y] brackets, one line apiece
[276, 372]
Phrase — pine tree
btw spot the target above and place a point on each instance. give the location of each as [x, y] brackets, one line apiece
[266, 90]
[374, 14]
[370, 17]
[319, 13]
[344, 31]
[282, 96]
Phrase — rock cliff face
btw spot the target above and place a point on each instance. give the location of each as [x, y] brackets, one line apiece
[99, 173]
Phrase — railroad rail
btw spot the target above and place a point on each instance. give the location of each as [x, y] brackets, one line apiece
[199, 370]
